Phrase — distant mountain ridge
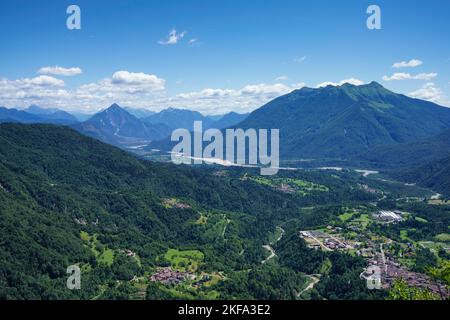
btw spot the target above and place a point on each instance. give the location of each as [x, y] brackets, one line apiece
[178, 118]
[184, 118]
[139, 113]
[230, 119]
[52, 113]
[35, 114]
[120, 126]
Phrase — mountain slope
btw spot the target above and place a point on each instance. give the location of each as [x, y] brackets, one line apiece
[118, 127]
[338, 121]
[407, 155]
[59, 116]
[228, 120]
[434, 175]
[139, 113]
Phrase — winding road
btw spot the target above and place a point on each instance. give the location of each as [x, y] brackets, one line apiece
[269, 246]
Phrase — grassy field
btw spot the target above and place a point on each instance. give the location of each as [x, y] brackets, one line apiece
[298, 186]
[362, 221]
[419, 219]
[433, 246]
[214, 224]
[443, 237]
[105, 256]
[405, 237]
[188, 260]
[346, 216]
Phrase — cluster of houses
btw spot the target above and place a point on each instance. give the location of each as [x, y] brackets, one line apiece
[286, 188]
[83, 222]
[390, 270]
[167, 275]
[128, 253]
[373, 252]
[368, 189]
[413, 279]
[322, 240]
[175, 203]
[334, 244]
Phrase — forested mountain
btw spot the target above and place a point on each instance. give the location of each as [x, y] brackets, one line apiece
[68, 199]
[118, 127]
[339, 121]
[407, 155]
[433, 174]
[425, 162]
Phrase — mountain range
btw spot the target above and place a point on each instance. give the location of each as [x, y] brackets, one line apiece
[348, 124]
[183, 118]
[365, 125]
[121, 126]
[52, 114]
[35, 114]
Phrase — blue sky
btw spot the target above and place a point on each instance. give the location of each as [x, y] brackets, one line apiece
[224, 55]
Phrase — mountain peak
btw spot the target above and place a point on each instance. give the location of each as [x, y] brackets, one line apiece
[115, 106]
[375, 84]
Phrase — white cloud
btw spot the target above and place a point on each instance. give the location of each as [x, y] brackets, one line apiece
[45, 81]
[193, 41]
[127, 88]
[27, 90]
[281, 78]
[173, 37]
[139, 90]
[353, 81]
[407, 76]
[428, 92]
[244, 99]
[407, 64]
[40, 82]
[300, 60]
[139, 78]
[60, 71]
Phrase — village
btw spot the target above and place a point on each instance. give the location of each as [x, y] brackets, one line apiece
[374, 250]
[167, 275]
